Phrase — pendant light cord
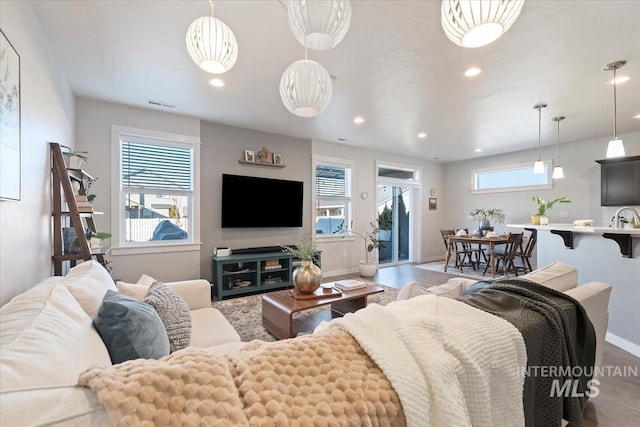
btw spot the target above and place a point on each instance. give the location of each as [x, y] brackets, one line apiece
[614, 104]
[558, 145]
[211, 2]
[539, 129]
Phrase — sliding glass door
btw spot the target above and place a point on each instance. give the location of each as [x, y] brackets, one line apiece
[396, 197]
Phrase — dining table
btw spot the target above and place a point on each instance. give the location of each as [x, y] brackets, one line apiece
[491, 242]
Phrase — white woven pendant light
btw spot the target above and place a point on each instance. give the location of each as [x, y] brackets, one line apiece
[306, 88]
[211, 44]
[475, 23]
[319, 24]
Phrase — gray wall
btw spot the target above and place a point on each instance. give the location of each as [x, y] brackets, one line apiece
[47, 115]
[93, 133]
[222, 147]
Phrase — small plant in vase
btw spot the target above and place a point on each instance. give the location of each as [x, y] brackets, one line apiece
[371, 241]
[540, 218]
[75, 158]
[307, 276]
[484, 218]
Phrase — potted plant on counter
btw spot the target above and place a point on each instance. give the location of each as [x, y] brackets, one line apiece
[371, 239]
[540, 218]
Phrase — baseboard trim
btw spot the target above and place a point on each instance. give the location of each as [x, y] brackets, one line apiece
[626, 345]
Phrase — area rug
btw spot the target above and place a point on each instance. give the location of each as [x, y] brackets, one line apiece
[467, 271]
[245, 313]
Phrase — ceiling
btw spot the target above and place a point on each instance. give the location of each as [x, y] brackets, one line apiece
[395, 68]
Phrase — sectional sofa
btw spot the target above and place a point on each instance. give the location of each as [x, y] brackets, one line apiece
[47, 340]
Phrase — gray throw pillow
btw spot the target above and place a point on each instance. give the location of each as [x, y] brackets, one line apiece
[173, 311]
[130, 329]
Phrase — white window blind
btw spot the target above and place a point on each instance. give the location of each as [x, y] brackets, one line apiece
[151, 166]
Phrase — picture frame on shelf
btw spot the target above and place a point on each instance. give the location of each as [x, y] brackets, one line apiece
[277, 158]
[249, 156]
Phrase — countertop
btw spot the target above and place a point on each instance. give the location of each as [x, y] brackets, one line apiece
[635, 232]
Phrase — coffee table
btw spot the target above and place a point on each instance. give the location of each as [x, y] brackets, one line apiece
[278, 307]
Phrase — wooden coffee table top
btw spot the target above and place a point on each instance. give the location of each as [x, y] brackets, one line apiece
[285, 301]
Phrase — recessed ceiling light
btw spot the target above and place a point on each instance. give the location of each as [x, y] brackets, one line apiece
[341, 139]
[637, 116]
[620, 79]
[422, 135]
[358, 120]
[473, 71]
[478, 150]
[216, 82]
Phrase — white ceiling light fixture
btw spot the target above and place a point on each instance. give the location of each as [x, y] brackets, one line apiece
[319, 24]
[557, 170]
[422, 135]
[306, 88]
[211, 44]
[538, 166]
[475, 23]
[472, 72]
[216, 82]
[615, 147]
[358, 120]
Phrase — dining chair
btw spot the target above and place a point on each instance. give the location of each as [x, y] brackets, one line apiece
[462, 253]
[525, 254]
[508, 255]
[479, 254]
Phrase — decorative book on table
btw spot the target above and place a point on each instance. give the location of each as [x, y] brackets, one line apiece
[348, 285]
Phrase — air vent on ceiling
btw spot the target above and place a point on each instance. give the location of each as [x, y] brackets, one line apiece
[160, 104]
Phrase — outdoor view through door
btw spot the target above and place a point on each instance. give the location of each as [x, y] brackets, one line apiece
[396, 187]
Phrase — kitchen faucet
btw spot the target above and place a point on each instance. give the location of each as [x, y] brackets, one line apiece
[616, 217]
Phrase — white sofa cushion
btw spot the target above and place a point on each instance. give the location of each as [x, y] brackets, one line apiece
[557, 275]
[211, 328]
[46, 339]
[88, 282]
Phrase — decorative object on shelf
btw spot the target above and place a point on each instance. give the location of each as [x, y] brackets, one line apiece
[249, 156]
[615, 147]
[10, 106]
[264, 156]
[484, 217]
[75, 159]
[538, 166]
[540, 218]
[319, 24]
[307, 276]
[371, 241]
[277, 158]
[211, 44]
[306, 88]
[557, 169]
[475, 23]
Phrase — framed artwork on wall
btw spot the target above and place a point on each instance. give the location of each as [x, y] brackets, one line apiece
[10, 148]
[433, 203]
[264, 156]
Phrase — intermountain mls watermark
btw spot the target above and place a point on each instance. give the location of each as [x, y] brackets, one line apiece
[566, 379]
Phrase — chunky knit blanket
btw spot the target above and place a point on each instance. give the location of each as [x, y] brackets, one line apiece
[435, 362]
[313, 380]
[451, 364]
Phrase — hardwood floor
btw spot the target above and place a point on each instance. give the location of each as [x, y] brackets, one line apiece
[618, 402]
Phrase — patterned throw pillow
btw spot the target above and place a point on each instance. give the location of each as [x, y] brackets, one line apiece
[173, 311]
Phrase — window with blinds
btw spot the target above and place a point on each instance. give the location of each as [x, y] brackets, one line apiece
[332, 182]
[157, 184]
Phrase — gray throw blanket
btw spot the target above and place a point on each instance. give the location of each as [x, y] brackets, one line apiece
[560, 342]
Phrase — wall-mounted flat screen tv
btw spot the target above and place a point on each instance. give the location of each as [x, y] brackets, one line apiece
[249, 201]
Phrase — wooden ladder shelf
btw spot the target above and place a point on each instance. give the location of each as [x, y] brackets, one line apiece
[61, 180]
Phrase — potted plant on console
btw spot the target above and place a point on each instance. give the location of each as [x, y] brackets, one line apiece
[371, 241]
[307, 276]
[540, 218]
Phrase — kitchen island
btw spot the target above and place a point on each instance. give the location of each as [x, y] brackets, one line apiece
[601, 254]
